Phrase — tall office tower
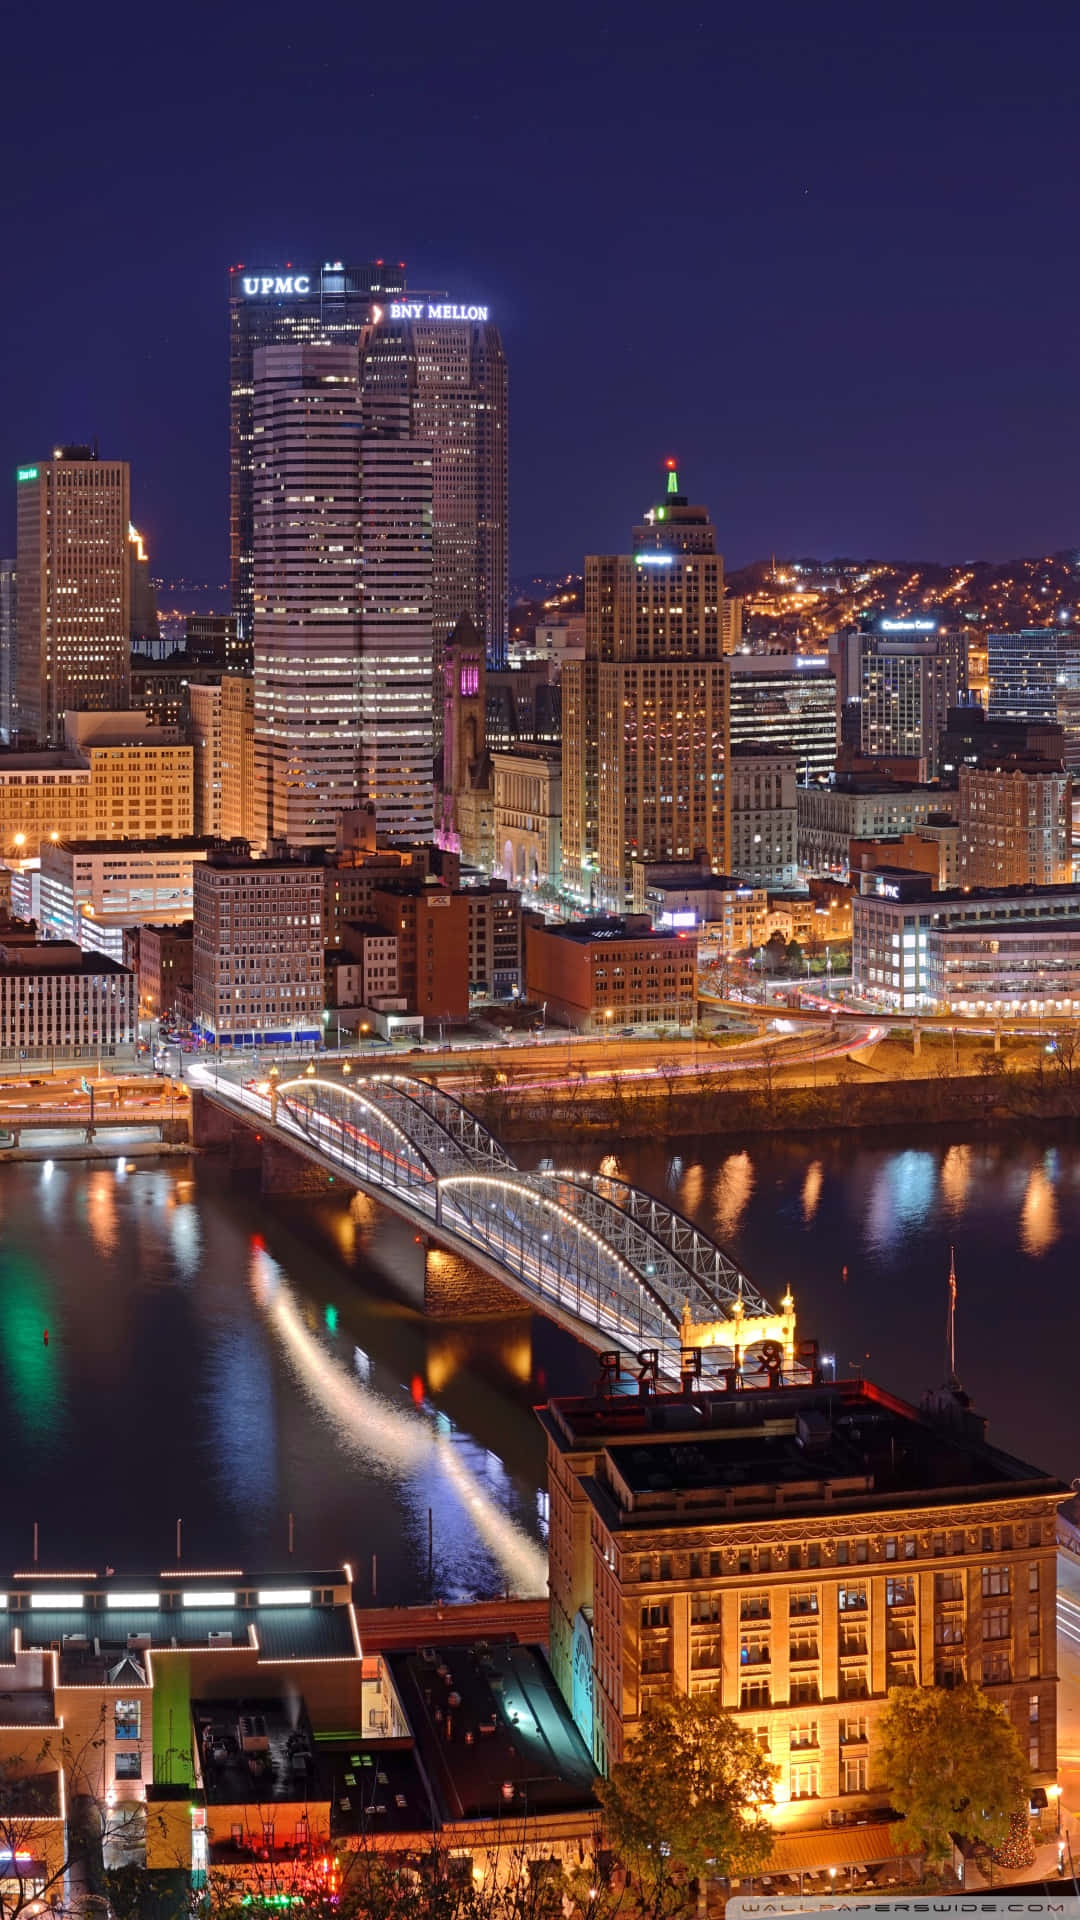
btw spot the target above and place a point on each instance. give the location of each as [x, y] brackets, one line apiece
[642, 712]
[7, 650]
[395, 772]
[332, 303]
[1015, 824]
[785, 701]
[238, 757]
[653, 625]
[74, 605]
[204, 735]
[307, 591]
[145, 630]
[910, 677]
[1035, 675]
[436, 373]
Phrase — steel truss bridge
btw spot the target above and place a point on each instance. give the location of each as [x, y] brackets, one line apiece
[613, 1263]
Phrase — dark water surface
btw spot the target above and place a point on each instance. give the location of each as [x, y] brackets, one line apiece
[224, 1360]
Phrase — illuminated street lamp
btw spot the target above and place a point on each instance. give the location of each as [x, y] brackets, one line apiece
[1054, 1793]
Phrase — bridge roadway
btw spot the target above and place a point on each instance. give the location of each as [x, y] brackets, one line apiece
[612, 1263]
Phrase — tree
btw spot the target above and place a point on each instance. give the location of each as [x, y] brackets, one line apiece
[775, 950]
[794, 956]
[690, 1797]
[953, 1765]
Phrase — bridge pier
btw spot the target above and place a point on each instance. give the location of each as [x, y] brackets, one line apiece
[283, 1171]
[455, 1289]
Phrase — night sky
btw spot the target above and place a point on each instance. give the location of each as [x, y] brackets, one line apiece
[827, 255]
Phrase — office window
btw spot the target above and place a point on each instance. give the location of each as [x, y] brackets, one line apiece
[996, 1623]
[128, 1766]
[127, 1717]
[995, 1580]
[805, 1781]
[855, 1774]
[656, 1615]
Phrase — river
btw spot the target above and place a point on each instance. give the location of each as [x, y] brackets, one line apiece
[224, 1361]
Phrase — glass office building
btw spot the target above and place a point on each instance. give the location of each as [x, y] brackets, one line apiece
[1035, 675]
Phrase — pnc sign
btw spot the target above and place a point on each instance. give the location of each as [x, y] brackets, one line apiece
[432, 310]
[275, 283]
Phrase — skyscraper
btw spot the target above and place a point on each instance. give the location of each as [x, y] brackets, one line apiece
[654, 650]
[436, 373]
[237, 756]
[332, 303]
[910, 677]
[1035, 675]
[343, 593]
[7, 648]
[395, 668]
[74, 601]
[307, 590]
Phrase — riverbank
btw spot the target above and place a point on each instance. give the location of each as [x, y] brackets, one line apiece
[988, 1100]
[153, 1148]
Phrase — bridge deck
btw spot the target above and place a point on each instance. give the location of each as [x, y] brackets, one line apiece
[614, 1263]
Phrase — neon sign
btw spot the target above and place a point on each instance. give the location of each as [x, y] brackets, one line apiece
[26, 473]
[909, 626]
[273, 283]
[431, 310]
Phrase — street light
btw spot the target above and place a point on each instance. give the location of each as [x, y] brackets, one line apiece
[1054, 1793]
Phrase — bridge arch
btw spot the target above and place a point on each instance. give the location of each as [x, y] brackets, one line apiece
[714, 1275]
[559, 1253]
[327, 1112]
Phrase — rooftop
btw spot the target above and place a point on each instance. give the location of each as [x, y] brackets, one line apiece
[92, 1643]
[256, 1750]
[36, 963]
[161, 843]
[492, 1731]
[848, 1445]
[632, 927]
[375, 1789]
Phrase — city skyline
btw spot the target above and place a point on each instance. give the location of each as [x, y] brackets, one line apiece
[848, 370]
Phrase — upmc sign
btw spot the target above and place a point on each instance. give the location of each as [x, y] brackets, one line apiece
[272, 283]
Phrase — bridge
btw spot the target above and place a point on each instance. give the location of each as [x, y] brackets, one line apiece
[617, 1266]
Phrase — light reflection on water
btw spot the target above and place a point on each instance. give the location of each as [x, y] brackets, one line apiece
[169, 1388]
[437, 1469]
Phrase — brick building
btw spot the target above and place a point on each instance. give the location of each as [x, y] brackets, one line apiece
[258, 965]
[165, 969]
[599, 975]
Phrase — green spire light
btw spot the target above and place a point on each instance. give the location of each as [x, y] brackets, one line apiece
[672, 476]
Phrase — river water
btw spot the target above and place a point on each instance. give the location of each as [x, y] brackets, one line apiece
[225, 1361]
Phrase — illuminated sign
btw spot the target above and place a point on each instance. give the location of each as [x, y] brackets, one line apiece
[431, 310]
[888, 890]
[680, 918]
[654, 559]
[908, 626]
[26, 473]
[271, 283]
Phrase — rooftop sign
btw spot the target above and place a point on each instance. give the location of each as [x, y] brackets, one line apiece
[908, 626]
[435, 310]
[269, 284]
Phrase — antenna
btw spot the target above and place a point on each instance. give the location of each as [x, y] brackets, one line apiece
[672, 476]
[950, 1321]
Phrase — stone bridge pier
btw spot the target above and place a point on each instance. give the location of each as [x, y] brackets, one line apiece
[456, 1289]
